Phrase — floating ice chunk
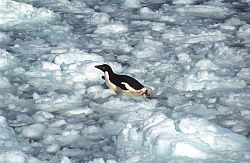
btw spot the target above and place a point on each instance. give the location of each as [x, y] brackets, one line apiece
[132, 3]
[74, 55]
[113, 127]
[90, 72]
[218, 138]
[204, 11]
[189, 150]
[244, 31]
[4, 38]
[33, 131]
[54, 102]
[15, 13]
[158, 27]
[184, 2]
[245, 112]
[33, 160]
[99, 18]
[245, 1]
[111, 161]
[24, 87]
[184, 57]
[244, 73]
[193, 138]
[47, 80]
[12, 156]
[207, 36]
[207, 80]
[191, 108]
[117, 105]
[223, 110]
[31, 48]
[35, 96]
[72, 76]
[236, 99]
[58, 123]
[148, 49]
[99, 92]
[173, 35]
[205, 64]
[167, 18]
[4, 82]
[42, 116]
[177, 99]
[65, 160]
[231, 25]
[86, 111]
[225, 56]
[53, 148]
[154, 1]
[240, 127]
[50, 66]
[111, 28]
[178, 36]
[146, 12]
[68, 137]
[97, 160]
[230, 123]
[116, 45]
[7, 134]
[7, 60]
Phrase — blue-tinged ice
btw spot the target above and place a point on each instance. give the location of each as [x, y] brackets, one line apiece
[192, 55]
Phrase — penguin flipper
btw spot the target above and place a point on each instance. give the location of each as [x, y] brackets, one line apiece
[122, 86]
[126, 86]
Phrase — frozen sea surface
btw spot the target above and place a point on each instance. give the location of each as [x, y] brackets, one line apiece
[193, 55]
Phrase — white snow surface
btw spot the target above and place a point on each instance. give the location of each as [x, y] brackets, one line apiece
[192, 55]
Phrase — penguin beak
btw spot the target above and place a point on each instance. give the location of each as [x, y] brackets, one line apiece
[99, 67]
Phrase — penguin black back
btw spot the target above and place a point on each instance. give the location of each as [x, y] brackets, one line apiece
[126, 79]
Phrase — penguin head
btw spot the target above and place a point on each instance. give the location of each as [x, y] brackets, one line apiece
[104, 68]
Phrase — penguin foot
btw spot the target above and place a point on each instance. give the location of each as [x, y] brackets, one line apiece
[145, 94]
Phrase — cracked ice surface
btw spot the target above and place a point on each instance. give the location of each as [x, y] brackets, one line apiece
[193, 55]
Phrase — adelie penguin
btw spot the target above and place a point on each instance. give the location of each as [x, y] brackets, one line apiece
[122, 83]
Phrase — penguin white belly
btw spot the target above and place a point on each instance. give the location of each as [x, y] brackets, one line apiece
[109, 84]
[133, 91]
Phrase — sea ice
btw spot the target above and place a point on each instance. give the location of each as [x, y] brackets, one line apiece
[13, 156]
[204, 11]
[244, 73]
[192, 55]
[162, 137]
[207, 80]
[76, 55]
[132, 3]
[7, 60]
[112, 28]
[16, 13]
[34, 131]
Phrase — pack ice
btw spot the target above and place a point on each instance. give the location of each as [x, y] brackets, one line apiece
[193, 56]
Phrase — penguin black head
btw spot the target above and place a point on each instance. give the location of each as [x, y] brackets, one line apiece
[104, 68]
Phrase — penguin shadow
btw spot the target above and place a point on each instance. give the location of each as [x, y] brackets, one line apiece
[104, 86]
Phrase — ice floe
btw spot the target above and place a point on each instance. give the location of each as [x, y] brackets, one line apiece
[192, 55]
